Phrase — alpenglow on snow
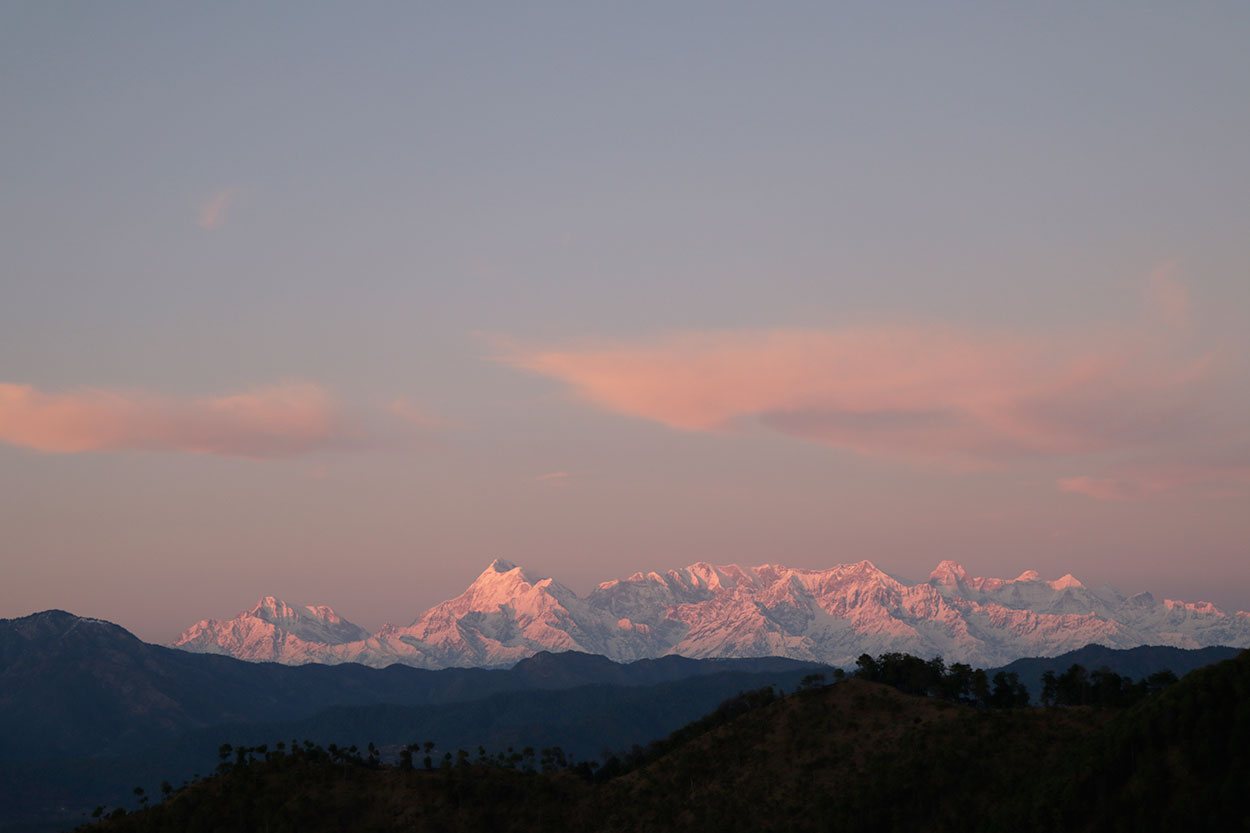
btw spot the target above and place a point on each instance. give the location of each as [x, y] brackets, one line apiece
[829, 616]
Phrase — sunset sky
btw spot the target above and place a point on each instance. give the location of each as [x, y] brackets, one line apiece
[340, 303]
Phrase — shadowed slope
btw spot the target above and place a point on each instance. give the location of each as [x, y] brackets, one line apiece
[77, 686]
[857, 756]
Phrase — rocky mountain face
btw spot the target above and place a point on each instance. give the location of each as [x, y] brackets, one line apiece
[829, 616]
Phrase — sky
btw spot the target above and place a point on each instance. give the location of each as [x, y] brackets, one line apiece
[340, 302]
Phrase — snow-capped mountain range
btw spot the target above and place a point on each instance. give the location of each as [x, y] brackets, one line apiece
[830, 616]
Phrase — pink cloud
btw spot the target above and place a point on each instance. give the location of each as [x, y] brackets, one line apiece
[277, 421]
[915, 392]
[213, 211]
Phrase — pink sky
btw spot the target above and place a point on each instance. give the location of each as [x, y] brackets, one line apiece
[597, 292]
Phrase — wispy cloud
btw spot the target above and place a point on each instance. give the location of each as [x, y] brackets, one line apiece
[213, 210]
[915, 392]
[919, 392]
[555, 475]
[276, 421]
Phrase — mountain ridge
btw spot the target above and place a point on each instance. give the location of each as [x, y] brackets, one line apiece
[705, 610]
[71, 685]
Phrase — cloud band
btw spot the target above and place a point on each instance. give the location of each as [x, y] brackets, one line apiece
[276, 421]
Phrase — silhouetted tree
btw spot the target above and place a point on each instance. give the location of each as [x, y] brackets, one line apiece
[867, 668]
[1050, 688]
[957, 684]
[1008, 692]
[979, 687]
[1160, 680]
[1073, 688]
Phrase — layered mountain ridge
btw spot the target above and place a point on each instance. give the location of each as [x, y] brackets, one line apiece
[704, 611]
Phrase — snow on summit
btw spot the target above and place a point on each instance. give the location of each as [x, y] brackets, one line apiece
[272, 630]
[706, 610]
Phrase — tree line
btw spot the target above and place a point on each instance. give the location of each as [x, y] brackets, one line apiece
[961, 683]
[1101, 687]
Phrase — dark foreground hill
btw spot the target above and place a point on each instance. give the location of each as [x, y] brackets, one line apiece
[75, 686]
[856, 756]
[583, 721]
[88, 711]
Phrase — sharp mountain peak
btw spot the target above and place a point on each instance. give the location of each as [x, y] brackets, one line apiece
[727, 610]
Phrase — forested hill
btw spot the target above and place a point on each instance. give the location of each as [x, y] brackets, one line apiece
[855, 756]
[1136, 662]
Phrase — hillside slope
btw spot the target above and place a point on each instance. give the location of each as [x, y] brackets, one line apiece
[856, 756]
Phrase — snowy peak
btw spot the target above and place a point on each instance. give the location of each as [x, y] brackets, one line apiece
[952, 579]
[309, 620]
[703, 574]
[271, 608]
[948, 574]
[828, 615]
[502, 573]
[325, 613]
[714, 579]
[495, 587]
[1199, 608]
[257, 633]
[1064, 582]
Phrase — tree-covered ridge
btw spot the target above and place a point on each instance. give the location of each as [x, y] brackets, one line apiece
[857, 755]
[960, 683]
[1180, 760]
